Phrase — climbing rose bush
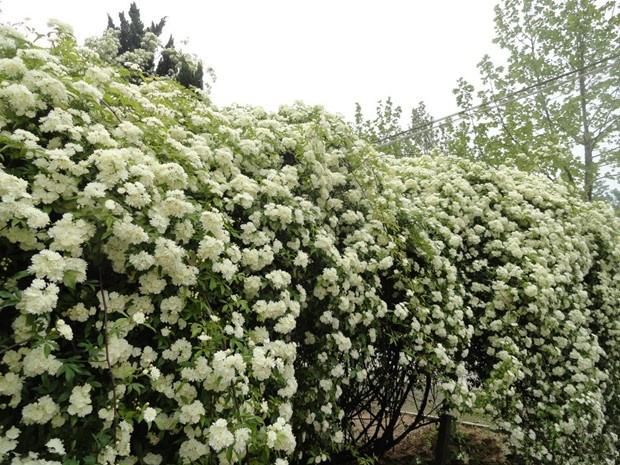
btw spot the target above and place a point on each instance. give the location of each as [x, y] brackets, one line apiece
[182, 283]
[162, 261]
[537, 304]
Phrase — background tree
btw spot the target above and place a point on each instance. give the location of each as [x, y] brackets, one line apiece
[134, 45]
[133, 35]
[388, 121]
[167, 63]
[187, 75]
[567, 128]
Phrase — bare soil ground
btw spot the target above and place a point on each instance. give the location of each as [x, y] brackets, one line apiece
[472, 446]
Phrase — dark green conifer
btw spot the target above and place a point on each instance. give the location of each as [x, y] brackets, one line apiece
[198, 76]
[167, 65]
[111, 24]
[131, 35]
[186, 74]
[125, 44]
[136, 27]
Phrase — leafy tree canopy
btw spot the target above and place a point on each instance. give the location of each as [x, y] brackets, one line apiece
[567, 128]
[388, 121]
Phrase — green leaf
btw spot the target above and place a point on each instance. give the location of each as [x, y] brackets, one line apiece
[70, 279]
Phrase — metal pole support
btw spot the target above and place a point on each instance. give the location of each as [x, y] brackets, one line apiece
[447, 428]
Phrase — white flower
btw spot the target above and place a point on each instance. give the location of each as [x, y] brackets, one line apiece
[64, 329]
[80, 402]
[40, 297]
[79, 312]
[119, 350]
[11, 385]
[219, 435]
[192, 413]
[8, 442]
[191, 450]
[55, 446]
[48, 264]
[149, 414]
[154, 373]
[151, 283]
[242, 436]
[400, 311]
[386, 263]
[19, 98]
[280, 436]
[261, 364]
[128, 131]
[88, 90]
[142, 261]
[129, 232]
[301, 259]
[270, 309]
[36, 363]
[136, 194]
[98, 135]
[180, 350]
[530, 290]
[61, 26]
[69, 234]
[344, 343]
[12, 67]
[285, 325]
[279, 279]
[281, 213]
[330, 275]
[226, 267]
[56, 120]
[40, 412]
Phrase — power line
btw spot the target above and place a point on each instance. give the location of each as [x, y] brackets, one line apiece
[496, 104]
[529, 89]
[526, 91]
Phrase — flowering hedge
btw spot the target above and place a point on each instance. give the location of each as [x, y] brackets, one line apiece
[187, 284]
[535, 309]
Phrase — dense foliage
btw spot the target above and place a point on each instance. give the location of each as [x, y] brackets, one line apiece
[184, 284]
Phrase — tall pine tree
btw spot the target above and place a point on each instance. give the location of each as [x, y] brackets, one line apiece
[136, 28]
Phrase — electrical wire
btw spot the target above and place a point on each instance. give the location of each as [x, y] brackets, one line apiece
[496, 104]
[500, 101]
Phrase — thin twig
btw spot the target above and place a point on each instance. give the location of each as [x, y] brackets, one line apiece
[107, 352]
[14, 346]
[111, 110]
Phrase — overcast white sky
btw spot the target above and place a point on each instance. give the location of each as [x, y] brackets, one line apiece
[333, 53]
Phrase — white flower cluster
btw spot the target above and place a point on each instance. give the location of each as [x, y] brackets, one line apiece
[534, 289]
[224, 276]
